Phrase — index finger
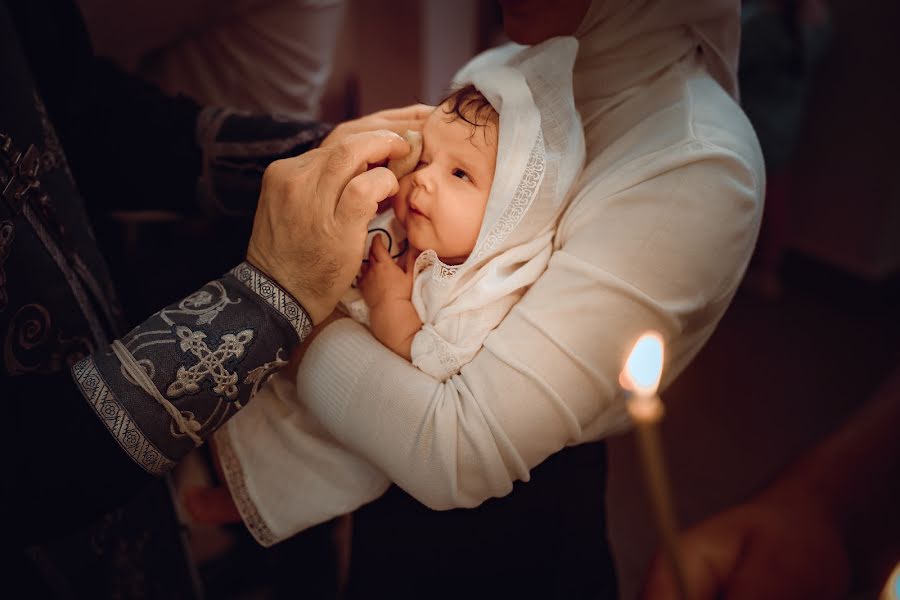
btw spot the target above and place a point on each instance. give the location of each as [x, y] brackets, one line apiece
[359, 150]
[414, 114]
[354, 155]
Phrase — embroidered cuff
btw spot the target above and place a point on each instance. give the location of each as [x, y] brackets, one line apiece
[186, 370]
[275, 296]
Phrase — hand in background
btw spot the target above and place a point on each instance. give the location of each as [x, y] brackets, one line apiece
[829, 520]
[779, 546]
[211, 505]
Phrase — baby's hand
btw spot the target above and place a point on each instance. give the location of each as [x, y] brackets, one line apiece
[387, 289]
[383, 280]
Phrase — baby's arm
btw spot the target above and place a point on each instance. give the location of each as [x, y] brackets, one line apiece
[387, 289]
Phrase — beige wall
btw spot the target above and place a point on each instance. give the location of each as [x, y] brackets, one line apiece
[400, 52]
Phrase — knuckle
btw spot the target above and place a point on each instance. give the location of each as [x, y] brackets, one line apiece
[355, 187]
[291, 187]
[273, 171]
[341, 157]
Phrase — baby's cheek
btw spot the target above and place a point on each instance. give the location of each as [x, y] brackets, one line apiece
[401, 200]
[418, 239]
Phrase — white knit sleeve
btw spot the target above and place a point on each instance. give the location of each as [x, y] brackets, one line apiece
[665, 252]
[285, 472]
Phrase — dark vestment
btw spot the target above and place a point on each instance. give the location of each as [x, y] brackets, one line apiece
[87, 517]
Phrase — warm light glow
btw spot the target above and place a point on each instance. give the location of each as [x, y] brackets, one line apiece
[891, 589]
[644, 365]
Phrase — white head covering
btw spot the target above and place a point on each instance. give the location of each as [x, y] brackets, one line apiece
[539, 156]
[540, 153]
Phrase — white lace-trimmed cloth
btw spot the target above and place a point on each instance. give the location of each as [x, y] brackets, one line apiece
[540, 153]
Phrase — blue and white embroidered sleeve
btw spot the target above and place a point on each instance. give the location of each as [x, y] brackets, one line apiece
[179, 375]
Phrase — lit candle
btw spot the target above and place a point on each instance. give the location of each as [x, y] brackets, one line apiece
[640, 379]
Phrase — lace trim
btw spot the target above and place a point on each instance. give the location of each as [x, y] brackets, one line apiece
[116, 418]
[234, 477]
[275, 296]
[522, 200]
[442, 273]
[447, 357]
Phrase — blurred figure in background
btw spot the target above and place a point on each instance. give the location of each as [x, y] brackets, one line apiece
[260, 55]
[781, 42]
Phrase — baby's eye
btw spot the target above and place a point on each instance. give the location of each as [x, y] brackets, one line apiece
[461, 174]
[419, 165]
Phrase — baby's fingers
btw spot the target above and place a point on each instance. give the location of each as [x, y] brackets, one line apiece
[378, 251]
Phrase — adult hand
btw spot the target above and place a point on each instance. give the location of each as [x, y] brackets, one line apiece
[310, 226]
[211, 505]
[780, 546]
[398, 120]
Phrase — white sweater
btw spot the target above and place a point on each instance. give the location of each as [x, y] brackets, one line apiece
[657, 236]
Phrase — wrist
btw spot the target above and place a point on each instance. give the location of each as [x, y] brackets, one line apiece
[313, 305]
[394, 324]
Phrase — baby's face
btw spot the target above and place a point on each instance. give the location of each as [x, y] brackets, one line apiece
[442, 202]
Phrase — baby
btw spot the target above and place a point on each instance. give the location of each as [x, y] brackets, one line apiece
[440, 206]
[477, 216]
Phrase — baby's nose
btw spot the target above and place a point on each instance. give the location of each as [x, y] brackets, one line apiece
[423, 177]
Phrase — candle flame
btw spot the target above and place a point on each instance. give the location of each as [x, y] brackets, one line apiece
[644, 365]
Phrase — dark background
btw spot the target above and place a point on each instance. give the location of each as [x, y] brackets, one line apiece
[806, 341]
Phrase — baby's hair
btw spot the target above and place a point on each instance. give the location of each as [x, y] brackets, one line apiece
[470, 105]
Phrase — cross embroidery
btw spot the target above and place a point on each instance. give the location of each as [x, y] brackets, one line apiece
[211, 363]
[18, 174]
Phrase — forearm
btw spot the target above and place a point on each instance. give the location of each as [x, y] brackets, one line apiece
[181, 374]
[284, 472]
[395, 324]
